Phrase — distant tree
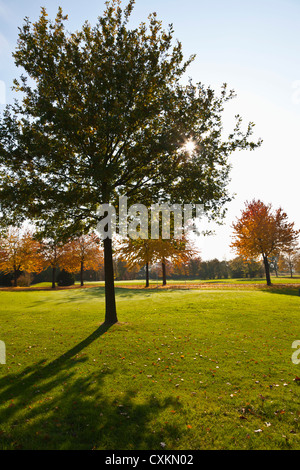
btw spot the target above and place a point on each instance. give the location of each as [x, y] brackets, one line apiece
[289, 259]
[125, 272]
[81, 254]
[274, 264]
[212, 268]
[254, 268]
[143, 252]
[260, 231]
[52, 249]
[173, 251]
[216, 269]
[203, 270]
[297, 265]
[137, 253]
[239, 268]
[194, 267]
[180, 270]
[19, 252]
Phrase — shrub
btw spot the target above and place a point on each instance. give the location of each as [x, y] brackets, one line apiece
[24, 280]
[65, 279]
[6, 279]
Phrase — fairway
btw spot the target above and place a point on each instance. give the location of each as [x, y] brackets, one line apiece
[184, 369]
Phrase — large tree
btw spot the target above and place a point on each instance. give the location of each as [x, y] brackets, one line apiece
[262, 232]
[102, 113]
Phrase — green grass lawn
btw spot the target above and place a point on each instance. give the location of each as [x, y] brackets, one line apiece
[170, 282]
[196, 369]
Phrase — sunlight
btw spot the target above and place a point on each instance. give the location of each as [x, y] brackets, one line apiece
[189, 146]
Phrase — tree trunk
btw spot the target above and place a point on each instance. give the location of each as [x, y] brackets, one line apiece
[15, 278]
[53, 277]
[110, 300]
[147, 274]
[267, 270]
[164, 274]
[81, 273]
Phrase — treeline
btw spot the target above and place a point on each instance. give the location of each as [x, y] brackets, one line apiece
[196, 268]
[26, 260]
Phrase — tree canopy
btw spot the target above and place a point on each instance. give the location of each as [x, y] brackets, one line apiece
[81, 254]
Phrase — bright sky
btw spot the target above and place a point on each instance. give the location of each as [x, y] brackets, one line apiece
[254, 46]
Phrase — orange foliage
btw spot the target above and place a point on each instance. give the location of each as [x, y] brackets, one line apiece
[82, 253]
[53, 253]
[261, 232]
[139, 252]
[20, 252]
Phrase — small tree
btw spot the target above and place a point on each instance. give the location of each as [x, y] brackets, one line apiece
[53, 252]
[137, 253]
[240, 267]
[19, 252]
[260, 231]
[81, 254]
[144, 252]
[289, 259]
[172, 251]
[274, 260]
[195, 267]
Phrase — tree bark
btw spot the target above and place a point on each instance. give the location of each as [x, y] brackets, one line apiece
[164, 273]
[81, 273]
[53, 277]
[267, 270]
[15, 278]
[110, 300]
[147, 274]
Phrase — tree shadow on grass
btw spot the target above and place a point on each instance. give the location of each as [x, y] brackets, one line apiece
[293, 291]
[54, 407]
[96, 293]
